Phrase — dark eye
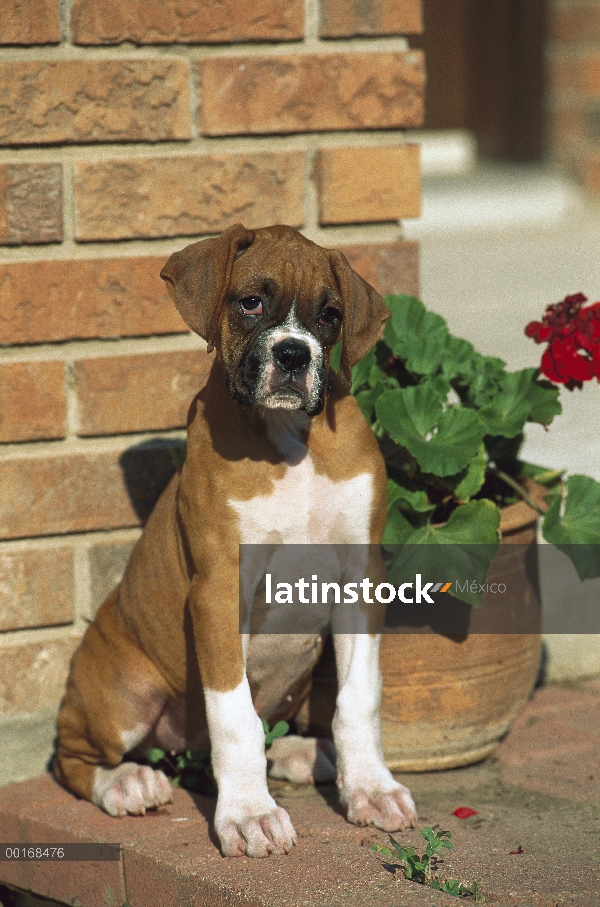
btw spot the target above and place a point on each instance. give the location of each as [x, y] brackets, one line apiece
[330, 317]
[251, 305]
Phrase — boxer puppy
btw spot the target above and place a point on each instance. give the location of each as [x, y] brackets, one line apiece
[277, 452]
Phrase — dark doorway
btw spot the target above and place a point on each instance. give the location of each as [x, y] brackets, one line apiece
[485, 69]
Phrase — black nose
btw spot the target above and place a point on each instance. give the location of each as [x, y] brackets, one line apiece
[292, 356]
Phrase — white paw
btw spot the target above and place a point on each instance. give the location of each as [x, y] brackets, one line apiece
[254, 832]
[302, 760]
[390, 810]
[130, 789]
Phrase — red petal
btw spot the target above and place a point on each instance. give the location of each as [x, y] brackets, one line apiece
[514, 852]
[568, 363]
[548, 368]
[464, 812]
[532, 329]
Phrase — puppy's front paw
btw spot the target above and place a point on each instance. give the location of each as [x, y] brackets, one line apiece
[391, 810]
[303, 760]
[255, 832]
[130, 789]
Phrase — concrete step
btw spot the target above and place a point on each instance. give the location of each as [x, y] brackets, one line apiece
[541, 793]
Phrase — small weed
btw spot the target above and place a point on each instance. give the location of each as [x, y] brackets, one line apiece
[278, 730]
[192, 770]
[419, 868]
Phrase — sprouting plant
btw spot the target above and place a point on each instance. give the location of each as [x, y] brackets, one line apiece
[278, 730]
[419, 868]
[192, 770]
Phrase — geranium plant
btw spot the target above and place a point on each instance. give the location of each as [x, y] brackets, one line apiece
[450, 424]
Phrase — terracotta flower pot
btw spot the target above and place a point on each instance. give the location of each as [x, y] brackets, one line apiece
[447, 701]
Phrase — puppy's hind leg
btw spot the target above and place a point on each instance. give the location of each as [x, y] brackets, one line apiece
[114, 696]
[302, 760]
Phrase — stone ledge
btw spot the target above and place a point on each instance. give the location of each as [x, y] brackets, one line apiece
[541, 792]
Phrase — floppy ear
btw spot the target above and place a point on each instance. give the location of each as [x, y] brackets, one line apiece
[198, 279]
[364, 313]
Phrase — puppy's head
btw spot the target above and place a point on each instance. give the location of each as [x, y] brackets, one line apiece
[274, 305]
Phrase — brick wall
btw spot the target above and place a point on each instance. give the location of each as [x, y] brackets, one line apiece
[127, 130]
[574, 88]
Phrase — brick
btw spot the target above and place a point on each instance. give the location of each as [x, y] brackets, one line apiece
[590, 75]
[363, 185]
[589, 172]
[33, 674]
[566, 125]
[30, 203]
[81, 299]
[388, 267]
[33, 401]
[575, 24]
[188, 195]
[51, 495]
[579, 75]
[30, 22]
[345, 18]
[107, 561]
[36, 586]
[138, 393]
[304, 93]
[94, 101]
[186, 21]
[27, 745]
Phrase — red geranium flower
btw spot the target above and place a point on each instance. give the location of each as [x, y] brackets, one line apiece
[573, 337]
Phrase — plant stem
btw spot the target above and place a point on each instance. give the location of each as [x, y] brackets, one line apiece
[518, 488]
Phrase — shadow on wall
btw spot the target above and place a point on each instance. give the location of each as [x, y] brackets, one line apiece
[147, 469]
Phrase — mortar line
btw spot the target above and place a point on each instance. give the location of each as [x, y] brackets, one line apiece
[82, 582]
[65, 11]
[250, 143]
[66, 51]
[311, 23]
[89, 538]
[90, 446]
[98, 348]
[72, 403]
[37, 634]
[68, 182]
[164, 246]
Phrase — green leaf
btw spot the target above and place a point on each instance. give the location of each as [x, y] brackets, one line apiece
[408, 500]
[155, 754]
[415, 335]
[405, 853]
[398, 531]
[278, 730]
[383, 850]
[362, 370]
[336, 357]
[462, 548]
[520, 398]
[545, 404]
[571, 523]
[477, 378]
[443, 443]
[541, 474]
[469, 481]
[367, 399]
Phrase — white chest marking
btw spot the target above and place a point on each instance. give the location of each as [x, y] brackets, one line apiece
[307, 508]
